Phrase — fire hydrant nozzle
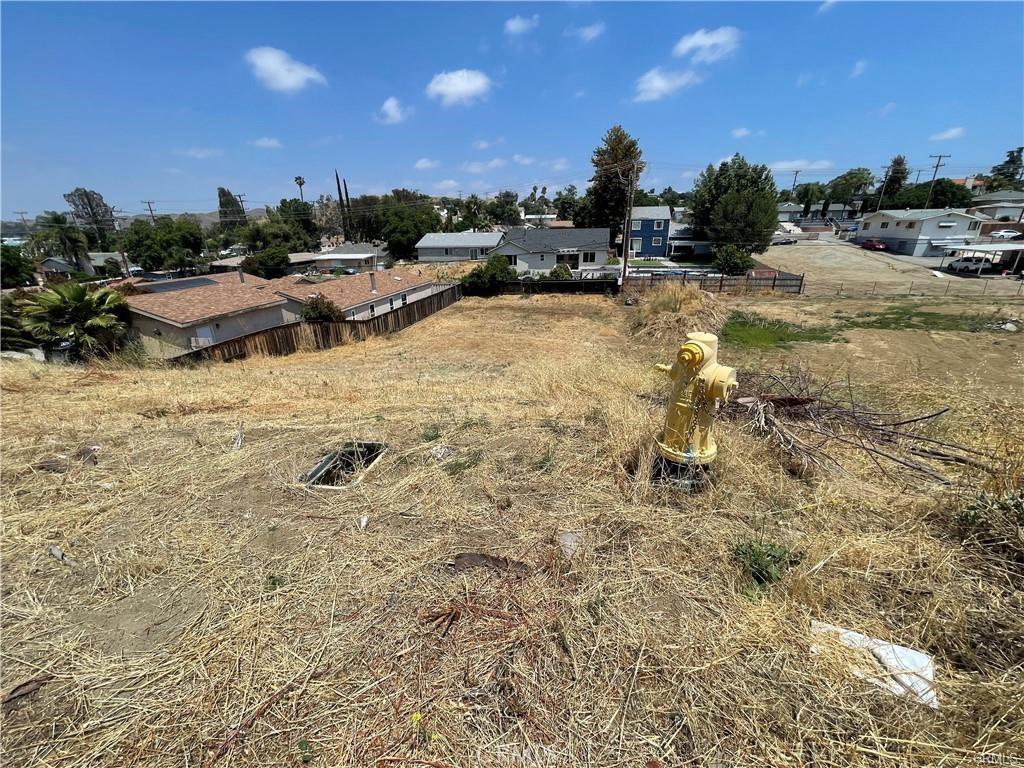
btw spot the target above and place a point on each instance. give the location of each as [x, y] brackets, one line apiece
[699, 383]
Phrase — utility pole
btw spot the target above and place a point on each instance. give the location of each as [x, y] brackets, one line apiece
[241, 202]
[793, 188]
[116, 217]
[21, 215]
[938, 164]
[625, 225]
[149, 204]
[881, 192]
[917, 179]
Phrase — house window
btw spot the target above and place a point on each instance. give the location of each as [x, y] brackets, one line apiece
[885, 225]
[391, 304]
[405, 299]
[589, 257]
[542, 257]
[373, 311]
[447, 251]
[635, 226]
[474, 253]
[655, 241]
[911, 224]
[659, 224]
[867, 226]
[973, 225]
[511, 261]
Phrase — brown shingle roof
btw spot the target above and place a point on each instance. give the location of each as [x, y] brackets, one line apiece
[184, 308]
[352, 290]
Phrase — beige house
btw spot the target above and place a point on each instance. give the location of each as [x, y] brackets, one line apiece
[360, 297]
[172, 323]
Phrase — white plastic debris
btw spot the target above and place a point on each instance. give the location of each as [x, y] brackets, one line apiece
[364, 521]
[442, 452]
[239, 437]
[570, 542]
[900, 670]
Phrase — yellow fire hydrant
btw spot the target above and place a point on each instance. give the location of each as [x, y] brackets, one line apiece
[699, 383]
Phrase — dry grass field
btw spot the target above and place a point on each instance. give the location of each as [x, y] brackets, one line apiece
[211, 609]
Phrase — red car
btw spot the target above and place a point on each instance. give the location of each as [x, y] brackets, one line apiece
[873, 244]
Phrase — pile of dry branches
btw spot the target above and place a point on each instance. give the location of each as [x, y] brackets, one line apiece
[808, 419]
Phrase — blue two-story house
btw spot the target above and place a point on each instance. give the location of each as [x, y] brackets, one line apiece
[648, 232]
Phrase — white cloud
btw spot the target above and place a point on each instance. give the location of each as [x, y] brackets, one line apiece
[425, 164]
[266, 142]
[659, 83]
[447, 184]
[587, 34]
[802, 80]
[557, 164]
[391, 111]
[826, 5]
[740, 133]
[487, 143]
[523, 159]
[200, 153]
[949, 133]
[859, 67]
[478, 166]
[463, 86]
[580, 93]
[520, 25]
[708, 45]
[888, 107]
[800, 165]
[280, 72]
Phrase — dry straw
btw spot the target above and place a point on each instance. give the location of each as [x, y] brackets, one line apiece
[212, 611]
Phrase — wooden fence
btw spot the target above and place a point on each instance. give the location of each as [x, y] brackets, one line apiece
[561, 286]
[293, 337]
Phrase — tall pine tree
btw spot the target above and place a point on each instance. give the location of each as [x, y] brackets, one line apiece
[609, 190]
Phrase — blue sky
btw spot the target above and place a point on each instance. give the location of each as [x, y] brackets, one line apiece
[167, 101]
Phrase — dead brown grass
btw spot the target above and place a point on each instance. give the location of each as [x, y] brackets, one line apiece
[213, 610]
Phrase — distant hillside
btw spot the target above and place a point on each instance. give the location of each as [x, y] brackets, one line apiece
[15, 228]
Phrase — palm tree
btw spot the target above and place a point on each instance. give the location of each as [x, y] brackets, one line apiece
[71, 313]
[300, 183]
[58, 236]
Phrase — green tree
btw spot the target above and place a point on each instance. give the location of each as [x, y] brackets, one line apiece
[946, 194]
[300, 183]
[675, 199]
[566, 201]
[504, 209]
[731, 260]
[404, 225]
[618, 155]
[896, 178]
[274, 232]
[1009, 174]
[646, 197]
[16, 269]
[91, 321]
[139, 241]
[320, 309]
[230, 212]
[57, 236]
[474, 214]
[91, 210]
[269, 263]
[845, 187]
[298, 214]
[487, 279]
[808, 194]
[113, 268]
[735, 204]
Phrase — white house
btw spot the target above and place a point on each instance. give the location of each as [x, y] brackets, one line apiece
[790, 211]
[920, 232]
[456, 246]
[360, 297]
[1005, 204]
[539, 250]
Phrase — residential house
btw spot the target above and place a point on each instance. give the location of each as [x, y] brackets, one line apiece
[236, 277]
[172, 323]
[350, 257]
[360, 297]
[790, 211]
[539, 250]
[920, 232]
[648, 231]
[539, 219]
[1005, 204]
[456, 246]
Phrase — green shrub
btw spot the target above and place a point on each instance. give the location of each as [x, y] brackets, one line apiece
[731, 260]
[320, 309]
[995, 522]
[561, 272]
[765, 562]
[748, 330]
[487, 279]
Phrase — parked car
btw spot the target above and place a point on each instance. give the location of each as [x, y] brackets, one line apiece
[873, 244]
[970, 264]
[1004, 234]
[783, 240]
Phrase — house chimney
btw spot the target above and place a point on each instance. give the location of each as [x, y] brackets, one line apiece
[373, 282]
[241, 274]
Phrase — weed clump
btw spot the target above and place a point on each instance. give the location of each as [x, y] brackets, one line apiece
[994, 522]
[747, 330]
[673, 309]
[765, 562]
